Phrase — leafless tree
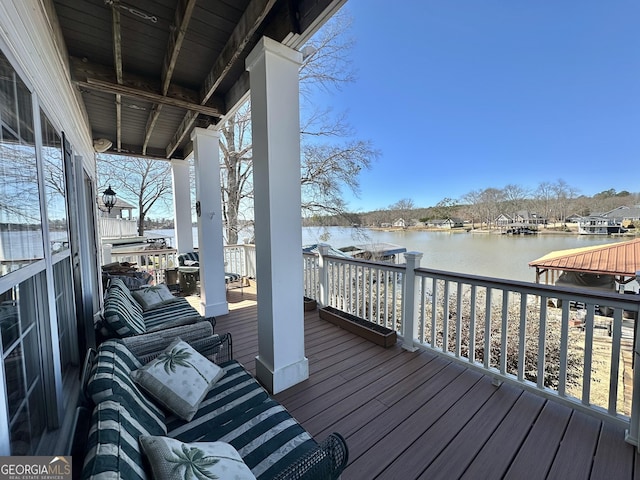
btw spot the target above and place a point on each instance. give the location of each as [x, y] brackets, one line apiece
[515, 198]
[143, 182]
[332, 156]
[490, 199]
[473, 201]
[236, 172]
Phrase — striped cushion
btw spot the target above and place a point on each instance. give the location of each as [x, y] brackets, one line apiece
[239, 411]
[232, 277]
[178, 312]
[120, 285]
[189, 259]
[111, 379]
[121, 314]
[113, 451]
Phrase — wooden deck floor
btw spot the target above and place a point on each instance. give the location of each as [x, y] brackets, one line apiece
[418, 415]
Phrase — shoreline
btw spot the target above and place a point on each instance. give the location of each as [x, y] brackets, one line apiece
[572, 231]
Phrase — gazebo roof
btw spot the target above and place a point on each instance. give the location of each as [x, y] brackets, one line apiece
[621, 258]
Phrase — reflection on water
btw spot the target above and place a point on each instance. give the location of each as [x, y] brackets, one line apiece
[501, 256]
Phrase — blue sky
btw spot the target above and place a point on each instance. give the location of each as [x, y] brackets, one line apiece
[460, 95]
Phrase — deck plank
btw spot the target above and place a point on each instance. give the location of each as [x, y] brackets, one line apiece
[612, 454]
[453, 460]
[422, 415]
[506, 439]
[426, 448]
[579, 443]
[536, 456]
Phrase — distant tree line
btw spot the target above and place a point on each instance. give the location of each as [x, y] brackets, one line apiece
[554, 201]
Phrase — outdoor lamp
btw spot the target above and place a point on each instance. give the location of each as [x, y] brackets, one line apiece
[109, 198]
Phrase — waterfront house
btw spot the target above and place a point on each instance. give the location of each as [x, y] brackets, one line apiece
[599, 225]
[625, 216]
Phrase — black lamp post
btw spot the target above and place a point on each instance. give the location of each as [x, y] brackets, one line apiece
[109, 198]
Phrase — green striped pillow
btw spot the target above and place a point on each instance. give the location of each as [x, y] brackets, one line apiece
[121, 316]
[113, 450]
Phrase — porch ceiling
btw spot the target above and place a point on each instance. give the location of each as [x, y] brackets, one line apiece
[149, 71]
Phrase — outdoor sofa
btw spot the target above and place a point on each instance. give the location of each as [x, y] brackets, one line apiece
[236, 415]
[134, 312]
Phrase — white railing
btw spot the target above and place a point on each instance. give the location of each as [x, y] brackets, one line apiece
[572, 345]
[154, 262]
[240, 259]
[117, 227]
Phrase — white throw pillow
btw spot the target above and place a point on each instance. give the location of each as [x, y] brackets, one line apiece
[179, 378]
[172, 459]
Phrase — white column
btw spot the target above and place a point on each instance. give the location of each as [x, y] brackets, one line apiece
[213, 293]
[409, 311]
[182, 206]
[275, 118]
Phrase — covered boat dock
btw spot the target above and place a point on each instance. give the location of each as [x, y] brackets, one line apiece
[620, 260]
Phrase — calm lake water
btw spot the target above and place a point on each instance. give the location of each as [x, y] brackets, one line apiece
[501, 256]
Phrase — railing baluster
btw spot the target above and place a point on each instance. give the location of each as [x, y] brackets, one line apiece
[542, 341]
[564, 349]
[459, 320]
[487, 330]
[504, 331]
[588, 354]
[423, 316]
[445, 318]
[434, 313]
[522, 337]
[614, 372]
[472, 325]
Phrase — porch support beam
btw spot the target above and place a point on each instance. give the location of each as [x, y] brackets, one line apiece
[182, 205]
[275, 116]
[213, 293]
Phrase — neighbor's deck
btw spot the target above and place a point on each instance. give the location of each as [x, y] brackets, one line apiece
[417, 415]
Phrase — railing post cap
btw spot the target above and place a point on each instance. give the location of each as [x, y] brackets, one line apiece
[413, 254]
[323, 248]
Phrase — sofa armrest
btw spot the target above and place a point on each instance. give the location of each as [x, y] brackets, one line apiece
[216, 348]
[325, 462]
[149, 343]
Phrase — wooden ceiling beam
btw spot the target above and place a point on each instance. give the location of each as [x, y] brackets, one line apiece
[182, 18]
[82, 71]
[117, 62]
[252, 19]
[146, 96]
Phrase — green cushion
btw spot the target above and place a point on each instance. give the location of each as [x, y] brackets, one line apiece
[121, 315]
[110, 380]
[179, 378]
[174, 460]
[113, 449]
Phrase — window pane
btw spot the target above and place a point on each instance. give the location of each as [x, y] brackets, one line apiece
[20, 220]
[20, 439]
[9, 320]
[55, 187]
[15, 379]
[23, 364]
[65, 311]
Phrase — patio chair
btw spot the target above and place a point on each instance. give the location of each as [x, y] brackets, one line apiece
[190, 260]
